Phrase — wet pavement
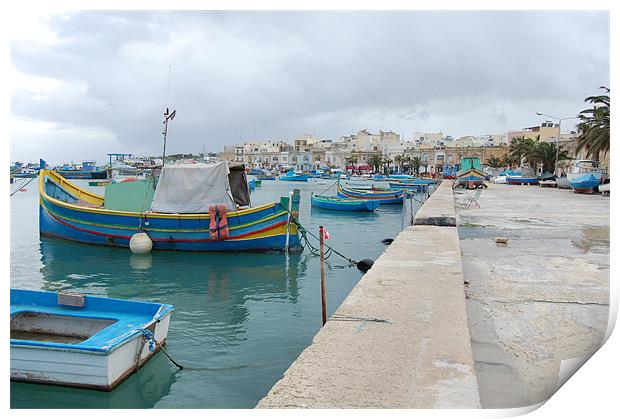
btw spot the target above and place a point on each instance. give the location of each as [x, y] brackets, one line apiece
[539, 299]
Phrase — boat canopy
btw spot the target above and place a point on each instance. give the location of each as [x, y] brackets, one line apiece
[192, 188]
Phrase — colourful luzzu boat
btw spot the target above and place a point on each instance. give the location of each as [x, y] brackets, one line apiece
[471, 174]
[391, 197]
[175, 216]
[344, 204]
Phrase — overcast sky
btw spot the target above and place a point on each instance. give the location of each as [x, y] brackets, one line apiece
[90, 83]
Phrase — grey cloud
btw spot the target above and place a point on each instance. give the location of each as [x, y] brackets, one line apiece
[280, 74]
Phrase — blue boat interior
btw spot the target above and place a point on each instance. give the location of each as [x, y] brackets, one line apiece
[57, 192]
[40, 319]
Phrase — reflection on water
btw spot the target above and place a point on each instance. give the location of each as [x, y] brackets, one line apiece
[140, 391]
[231, 309]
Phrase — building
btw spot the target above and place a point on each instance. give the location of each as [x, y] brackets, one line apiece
[548, 132]
[436, 159]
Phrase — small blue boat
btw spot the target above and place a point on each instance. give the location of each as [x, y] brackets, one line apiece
[82, 341]
[585, 182]
[384, 197]
[291, 176]
[411, 186]
[399, 176]
[344, 204]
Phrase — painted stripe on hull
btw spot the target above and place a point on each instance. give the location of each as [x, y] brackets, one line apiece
[269, 238]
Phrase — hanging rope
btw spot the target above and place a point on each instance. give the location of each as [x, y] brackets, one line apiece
[148, 337]
[22, 185]
[322, 192]
[304, 238]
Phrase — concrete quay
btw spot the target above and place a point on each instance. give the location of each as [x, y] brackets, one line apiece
[400, 339]
[540, 299]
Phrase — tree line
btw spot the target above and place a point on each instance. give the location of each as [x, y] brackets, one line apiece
[593, 138]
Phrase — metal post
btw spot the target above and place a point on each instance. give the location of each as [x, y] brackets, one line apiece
[411, 207]
[288, 222]
[402, 224]
[323, 306]
[163, 157]
[557, 147]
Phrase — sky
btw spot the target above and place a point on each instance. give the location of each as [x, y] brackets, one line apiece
[84, 84]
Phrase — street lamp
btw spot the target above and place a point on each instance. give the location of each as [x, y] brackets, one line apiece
[557, 143]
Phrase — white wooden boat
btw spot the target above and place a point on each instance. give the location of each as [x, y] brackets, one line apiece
[583, 167]
[82, 341]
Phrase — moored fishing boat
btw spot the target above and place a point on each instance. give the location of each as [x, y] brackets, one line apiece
[399, 176]
[88, 170]
[411, 186]
[344, 204]
[25, 172]
[582, 167]
[585, 183]
[471, 174]
[291, 176]
[194, 207]
[82, 341]
[392, 197]
[521, 180]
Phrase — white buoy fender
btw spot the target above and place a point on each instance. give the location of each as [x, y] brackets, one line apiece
[140, 243]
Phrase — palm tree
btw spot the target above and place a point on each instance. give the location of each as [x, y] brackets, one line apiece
[375, 161]
[509, 160]
[494, 162]
[546, 154]
[594, 126]
[351, 161]
[398, 159]
[416, 162]
[387, 162]
[522, 148]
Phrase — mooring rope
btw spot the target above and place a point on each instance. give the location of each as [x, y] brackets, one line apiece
[22, 185]
[147, 336]
[334, 184]
[304, 232]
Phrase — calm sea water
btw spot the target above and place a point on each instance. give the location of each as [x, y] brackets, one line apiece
[246, 315]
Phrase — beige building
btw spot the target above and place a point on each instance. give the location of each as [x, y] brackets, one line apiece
[366, 141]
[548, 132]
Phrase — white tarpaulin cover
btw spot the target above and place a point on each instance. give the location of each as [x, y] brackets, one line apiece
[191, 188]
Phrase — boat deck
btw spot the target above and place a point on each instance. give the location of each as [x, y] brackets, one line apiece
[110, 324]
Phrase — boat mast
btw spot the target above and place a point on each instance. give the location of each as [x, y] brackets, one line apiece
[167, 117]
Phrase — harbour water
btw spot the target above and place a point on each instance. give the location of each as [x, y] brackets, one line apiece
[242, 318]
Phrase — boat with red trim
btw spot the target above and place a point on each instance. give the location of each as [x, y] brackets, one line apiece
[192, 208]
[384, 197]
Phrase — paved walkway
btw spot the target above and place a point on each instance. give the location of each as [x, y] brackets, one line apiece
[400, 339]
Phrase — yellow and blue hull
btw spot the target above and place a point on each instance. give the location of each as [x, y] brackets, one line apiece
[470, 177]
[70, 213]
